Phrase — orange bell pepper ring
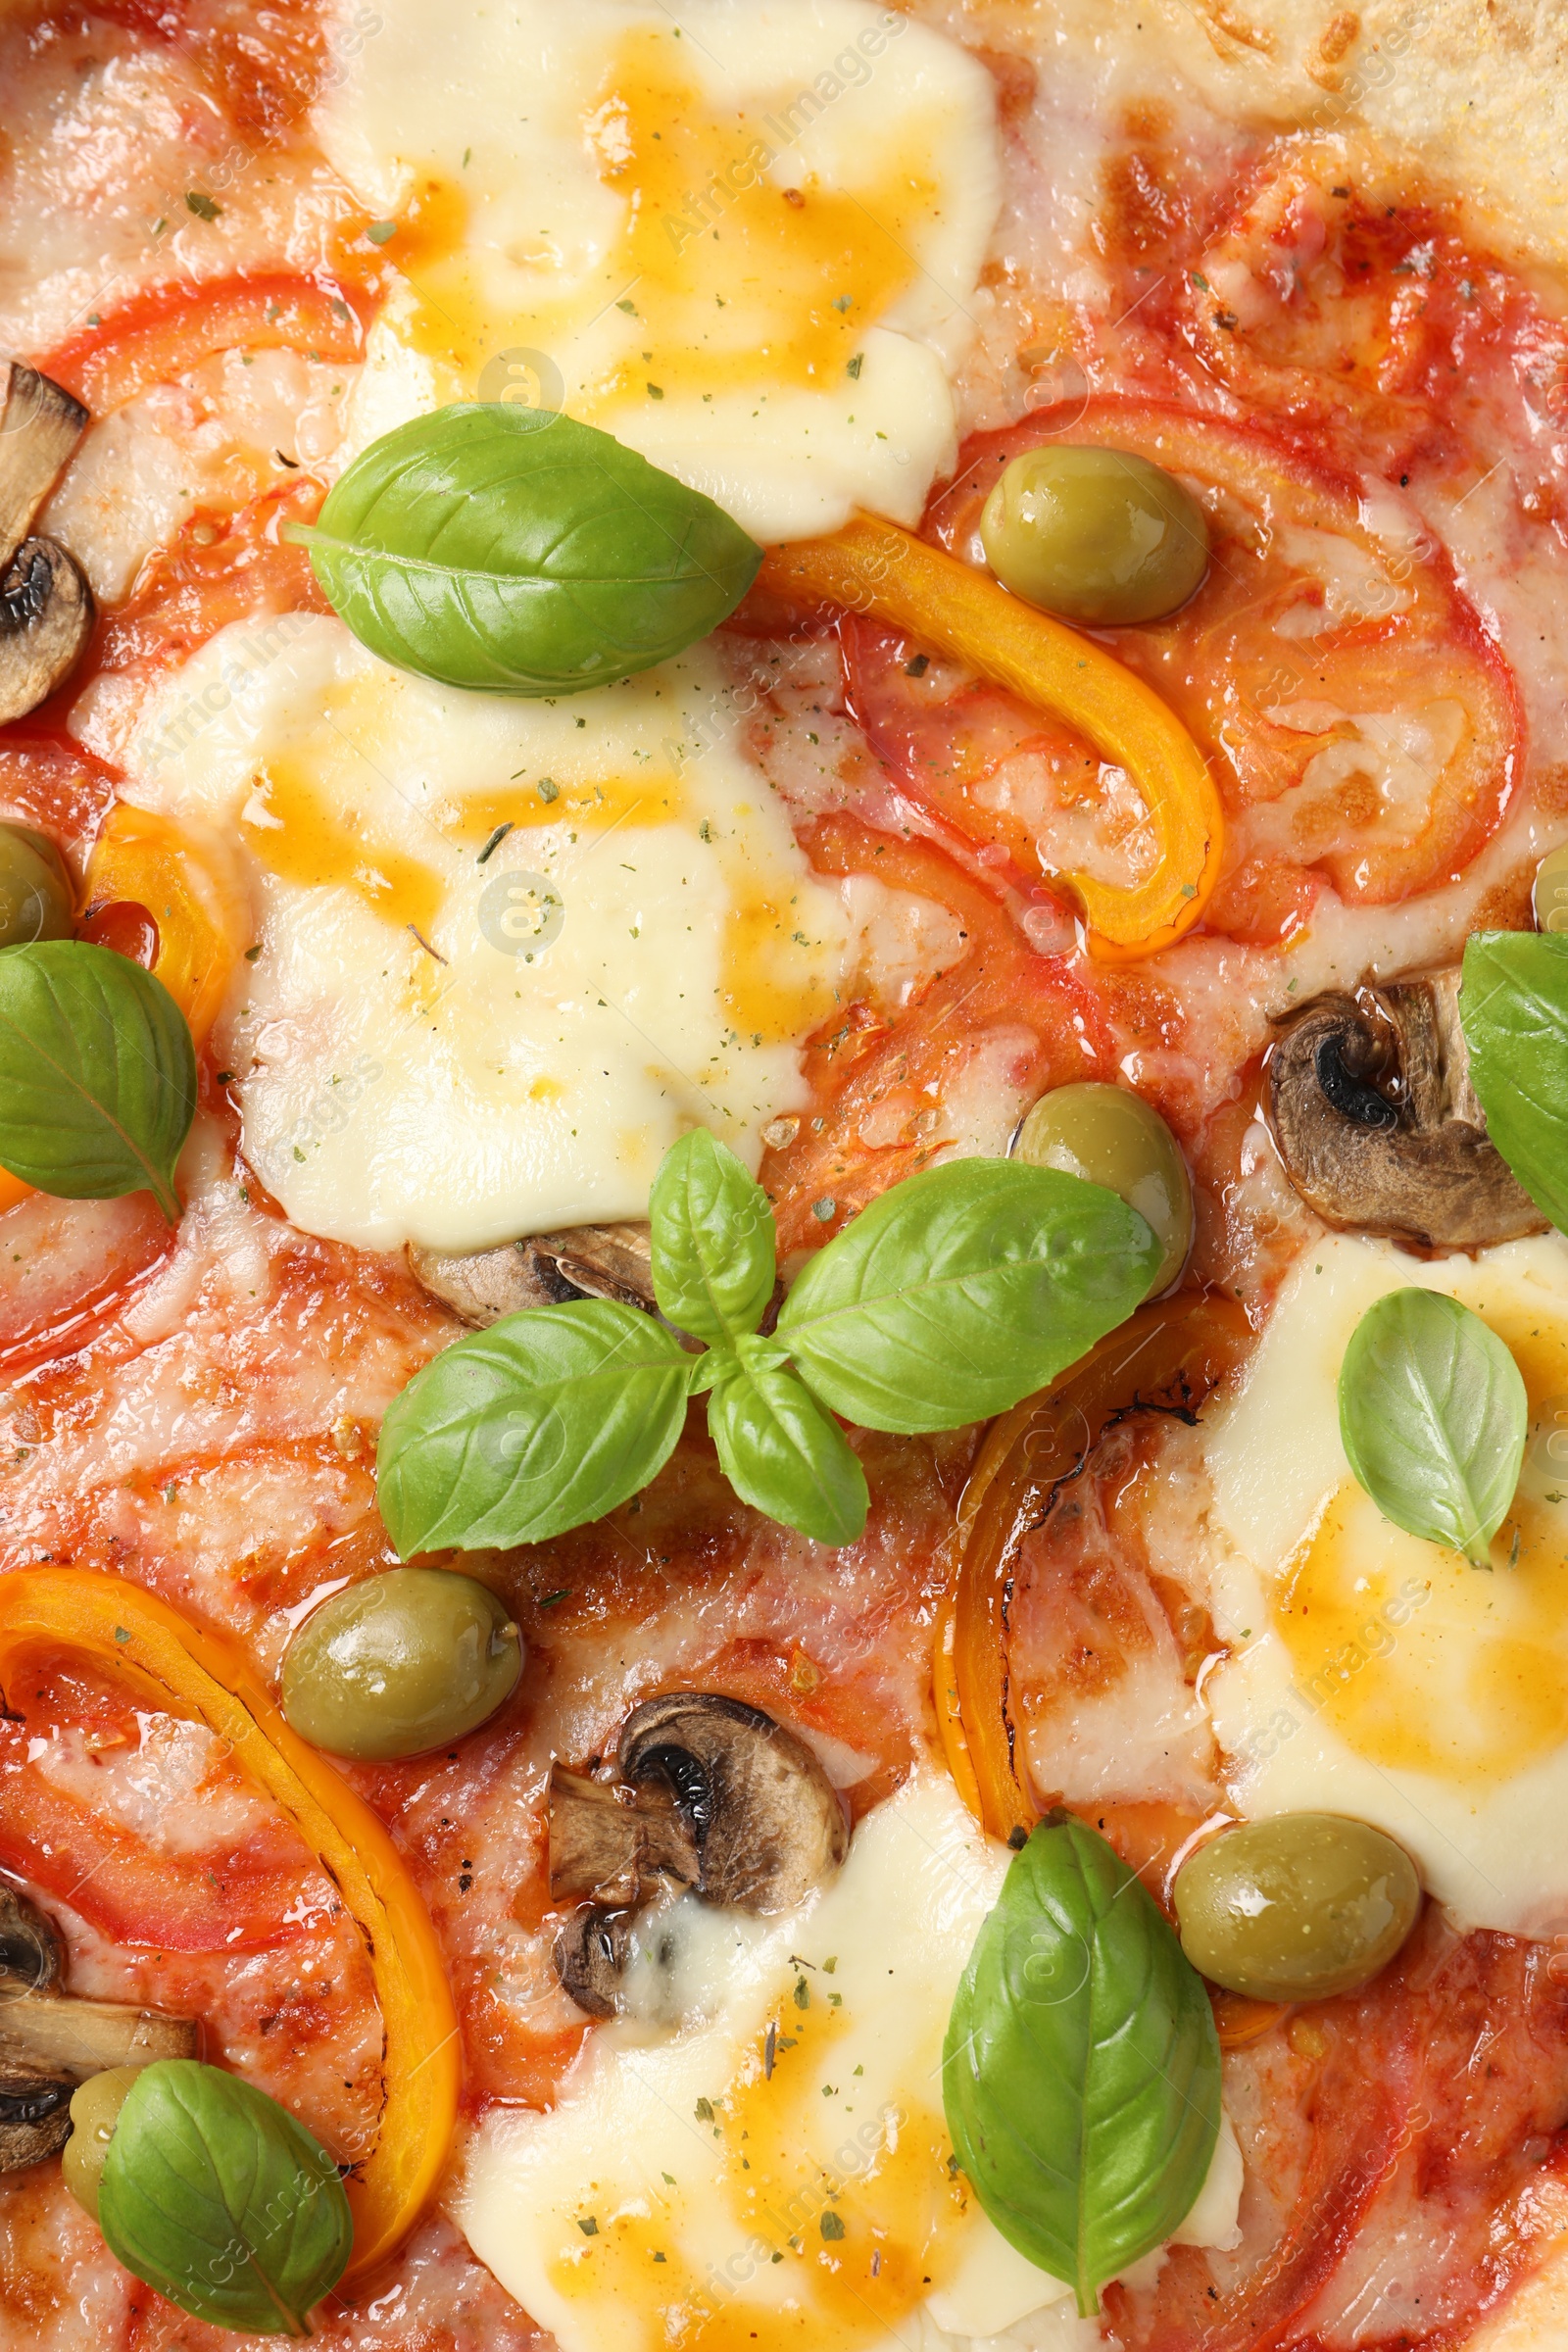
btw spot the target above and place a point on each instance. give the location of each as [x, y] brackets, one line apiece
[876, 568]
[189, 889]
[179, 1668]
[1173, 1353]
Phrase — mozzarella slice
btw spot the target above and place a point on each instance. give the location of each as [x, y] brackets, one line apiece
[1383, 1677]
[507, 951]
[746, 241]
[699, 2192]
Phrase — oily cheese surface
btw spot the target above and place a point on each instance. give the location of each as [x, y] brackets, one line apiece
[746, 242]
[506, 952]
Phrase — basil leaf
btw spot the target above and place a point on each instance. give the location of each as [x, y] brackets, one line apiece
[1081, 2067]
[780, 1452]
[547, 1420]
[216, 2196]
[962, 1288]
[1434, 1418]
[1514, 1009]
[519, 551]
[97, 1074]
[714, 1250]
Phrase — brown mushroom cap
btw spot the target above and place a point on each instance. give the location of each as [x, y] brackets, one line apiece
[716, 1795]
[32, 1954]
[50, 2043]
[590, 1957]
[768, 1823]
[1377, 1125]
[46, 607]
[46, 617]
[547, 1269]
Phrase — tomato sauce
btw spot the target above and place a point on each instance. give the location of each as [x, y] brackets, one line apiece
[199, 1413]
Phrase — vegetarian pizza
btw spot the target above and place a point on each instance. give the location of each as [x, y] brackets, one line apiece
[783, 1170]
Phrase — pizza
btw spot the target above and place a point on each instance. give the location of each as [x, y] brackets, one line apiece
[783, 1122]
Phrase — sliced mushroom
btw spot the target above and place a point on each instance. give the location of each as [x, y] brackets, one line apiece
[34, 2121]
[40, 424]
[46, 607]
[75, 2038]
[1378, 1124]
[769, 1823]
[613, 1843]
[32, 1954]
[713, 1796]
[583, 1262]
[46, 617]
[49, 2041]
[591, 1954]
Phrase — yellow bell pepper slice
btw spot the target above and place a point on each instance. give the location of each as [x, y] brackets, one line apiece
[179, 1668]
[874, 567]
[1178, 1348]
[201, 916]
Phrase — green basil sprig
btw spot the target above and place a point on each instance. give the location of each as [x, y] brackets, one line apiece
[547, 1420]
[1514, 1009]
[216, 2196]
[1434, 1417]
[519, 551]
[955, 1294]
[1081, 2069]
[97, 1074]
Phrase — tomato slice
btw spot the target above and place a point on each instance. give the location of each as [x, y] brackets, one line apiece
[264, 64]
[70, 1266]
[159, 334]
[1364, 730]
[880, 1086]
[249, 1887]
[1400, 2136]
[1334, 304]
[218, 569]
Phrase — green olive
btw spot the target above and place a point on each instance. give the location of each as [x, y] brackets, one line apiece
[94, 2112]
[1550, 898]
[1296, 1908]
[1116, 1139]
[1094, 534]
[36, 899]
[399, 1664]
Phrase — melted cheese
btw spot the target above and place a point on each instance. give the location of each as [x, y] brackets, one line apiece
[507, 951]
[1381, 1676]
[746, 243]
[701, 2192]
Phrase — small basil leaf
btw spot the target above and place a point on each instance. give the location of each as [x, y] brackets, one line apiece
[97, 1074]
[1514, 1009]
[216, 2196]
[780, 1452]
[962, 1288]
[1081, 2067]
[519, 551]
[547, 1420]
[714, 1250]
[1434, 1418]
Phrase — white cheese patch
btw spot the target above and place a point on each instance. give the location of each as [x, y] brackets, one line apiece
[454, 1049]
[680, 2193]
[746, 241]
[1380, 1676]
